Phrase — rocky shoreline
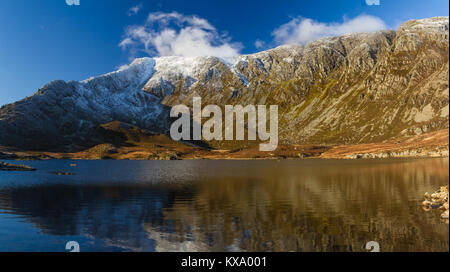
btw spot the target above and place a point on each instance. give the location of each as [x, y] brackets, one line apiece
[150, 154]
[162, 147]
[437, 201]
[13, 167]
[125, 143]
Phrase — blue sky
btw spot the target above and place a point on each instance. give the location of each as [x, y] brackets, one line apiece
[43, 40]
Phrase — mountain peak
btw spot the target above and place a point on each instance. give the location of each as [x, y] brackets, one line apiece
[434, 24]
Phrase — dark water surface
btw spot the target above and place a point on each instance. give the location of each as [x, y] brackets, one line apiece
[309, 205]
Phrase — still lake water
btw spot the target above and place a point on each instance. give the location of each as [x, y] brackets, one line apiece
[308, 205]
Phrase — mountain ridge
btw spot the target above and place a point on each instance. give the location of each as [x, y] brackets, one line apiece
[353, 89]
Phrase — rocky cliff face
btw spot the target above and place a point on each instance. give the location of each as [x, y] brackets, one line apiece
[357, 88]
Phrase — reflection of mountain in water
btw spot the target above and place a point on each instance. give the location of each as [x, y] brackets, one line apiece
[113, 214]
[313, 206]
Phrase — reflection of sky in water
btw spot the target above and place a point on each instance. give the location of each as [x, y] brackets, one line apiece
[310, 205]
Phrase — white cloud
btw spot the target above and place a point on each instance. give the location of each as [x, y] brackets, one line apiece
[259, 44]
[175, 34]
[134, 10]
[302, 30]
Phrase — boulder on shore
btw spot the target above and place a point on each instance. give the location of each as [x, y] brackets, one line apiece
[12, 167]
[437, 200]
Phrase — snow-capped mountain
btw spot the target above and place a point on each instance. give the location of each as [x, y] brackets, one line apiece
[361, 87]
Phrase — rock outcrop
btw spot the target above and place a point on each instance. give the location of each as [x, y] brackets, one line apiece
[12, 167]
[437, 200]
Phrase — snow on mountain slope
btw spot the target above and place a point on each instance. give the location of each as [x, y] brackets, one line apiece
[171, 69]
[135, 74]
[69, 113]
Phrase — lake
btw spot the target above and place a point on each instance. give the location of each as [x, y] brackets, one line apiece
[289, 205]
